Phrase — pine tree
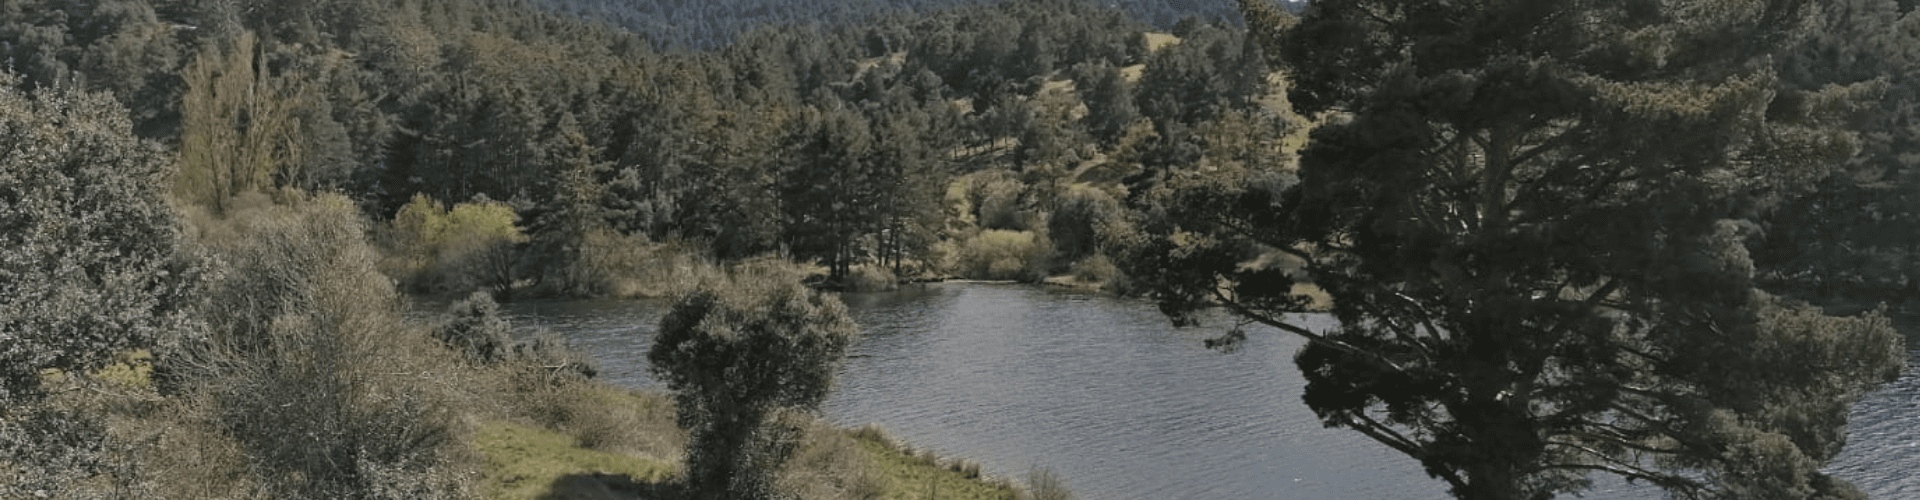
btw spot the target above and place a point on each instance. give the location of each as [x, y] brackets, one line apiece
[1531, 218]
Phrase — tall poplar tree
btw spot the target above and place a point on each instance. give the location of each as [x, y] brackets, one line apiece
[1531, 218]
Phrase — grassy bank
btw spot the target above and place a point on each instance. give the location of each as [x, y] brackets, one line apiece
[575, 439]
[580, 456]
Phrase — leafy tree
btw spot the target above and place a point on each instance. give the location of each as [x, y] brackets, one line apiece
[237, 125]
[1078, 218]
[575, 214]
[1110, 103]
[701, 166]
[1531, 218]
[466, 247]
[1207, 73]
[831, 195]
[741, 356]
[90, 267]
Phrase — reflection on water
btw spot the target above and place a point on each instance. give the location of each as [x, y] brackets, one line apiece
[1120, 404]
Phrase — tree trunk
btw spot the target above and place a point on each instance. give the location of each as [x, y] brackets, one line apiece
[1490, 481]
[1493, 188]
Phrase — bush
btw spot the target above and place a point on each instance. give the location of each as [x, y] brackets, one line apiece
[606, 263]
[831, 465]
[871, 278]
[438, 249]
[53, 450]
[310, 368]
[1043, 484]
[89, 267]
[474, 328]
[1002, 255]
[1077, 218]
[746, 358]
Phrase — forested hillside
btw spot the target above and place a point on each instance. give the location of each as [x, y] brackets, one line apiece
[1653, 239]
[927, 145]
[706, 24]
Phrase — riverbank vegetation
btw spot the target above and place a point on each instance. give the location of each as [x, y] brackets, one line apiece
[256, 350]
[1559, 244]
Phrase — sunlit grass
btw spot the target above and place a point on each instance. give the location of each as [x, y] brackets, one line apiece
[916, 476]
[133, 369]
[525, 462]
[1157, 41]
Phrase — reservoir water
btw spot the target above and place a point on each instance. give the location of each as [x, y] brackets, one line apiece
[1120, 404]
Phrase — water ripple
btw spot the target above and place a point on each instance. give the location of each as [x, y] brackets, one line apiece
[1123, 406]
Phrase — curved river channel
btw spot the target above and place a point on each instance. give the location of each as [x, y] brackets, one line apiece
[1123, 406]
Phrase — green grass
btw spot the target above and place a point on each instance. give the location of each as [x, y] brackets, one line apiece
[596, 438]
[919, 477]
[524, 462]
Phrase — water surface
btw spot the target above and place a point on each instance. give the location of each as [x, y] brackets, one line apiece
[1120, 404]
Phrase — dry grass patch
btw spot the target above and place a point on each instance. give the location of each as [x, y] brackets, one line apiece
[832, 465]
[1157, 41]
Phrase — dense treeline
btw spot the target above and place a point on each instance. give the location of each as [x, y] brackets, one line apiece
[208, 252]
[840, 144]
[708, 24]
[1849, 243]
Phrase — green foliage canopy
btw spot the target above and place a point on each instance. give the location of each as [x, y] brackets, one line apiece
[90, 266]
[740, 356]
[1531, 218]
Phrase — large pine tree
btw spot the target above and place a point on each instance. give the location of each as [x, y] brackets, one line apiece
[1531, 219]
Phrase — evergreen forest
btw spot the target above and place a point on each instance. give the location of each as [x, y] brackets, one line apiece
[1563, 238]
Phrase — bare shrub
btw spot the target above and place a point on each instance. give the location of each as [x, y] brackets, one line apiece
[184, 454]
[871, 278]
[830, 465]
[312, 371]
[607, 263]
[1043, 484]
[600, 417]
[550, 354]
[1003, 255]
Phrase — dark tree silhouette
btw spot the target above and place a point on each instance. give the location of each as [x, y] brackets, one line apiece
[1531, 219]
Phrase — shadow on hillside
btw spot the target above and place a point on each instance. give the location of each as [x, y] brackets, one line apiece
[598, 486]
